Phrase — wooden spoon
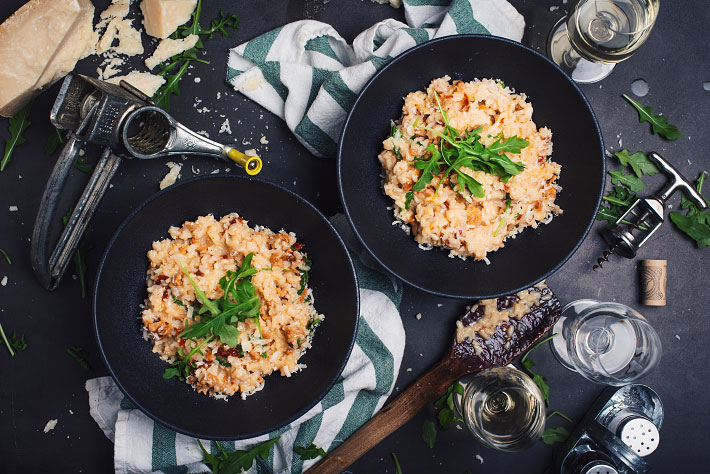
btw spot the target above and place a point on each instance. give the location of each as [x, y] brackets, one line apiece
[491, 334]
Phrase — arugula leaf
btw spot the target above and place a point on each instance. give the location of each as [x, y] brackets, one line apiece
[82, 165]
[56, 139]
[397, 467]
[696, 222]
[429, 433]
[218, 25]
[79, 354]
[538, 379]
[639, 162]
[7, 257]
[428, 168]
[17, 124]
[237, 461]
[222, 361]
[13, 344]
[178, 302]
[659, 123]
[554, 435]
[183, 364]
[310, 452]
[630, 180]
[560, 414]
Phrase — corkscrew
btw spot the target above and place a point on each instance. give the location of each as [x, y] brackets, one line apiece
[645, 216]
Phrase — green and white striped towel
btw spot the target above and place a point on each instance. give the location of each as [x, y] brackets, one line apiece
[143, 446]
[308, 75]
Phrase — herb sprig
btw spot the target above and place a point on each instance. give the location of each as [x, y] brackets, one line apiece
[659, 123]
[445, 416]
[310, 452]
[457, 151]
[17, 124]
[236, 461]
[696, 222]
[182, 61]
[397, 467]
[538, 379]
[12, 343]
[7, 257]
[218, 317]
[80, 355]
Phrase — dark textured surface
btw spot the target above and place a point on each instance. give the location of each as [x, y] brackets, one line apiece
[121, 289]
[44, 383]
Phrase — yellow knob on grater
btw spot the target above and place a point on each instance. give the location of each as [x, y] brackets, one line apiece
[251, 164]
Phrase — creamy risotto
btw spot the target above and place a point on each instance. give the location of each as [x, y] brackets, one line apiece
[272, 337]
[444, 213]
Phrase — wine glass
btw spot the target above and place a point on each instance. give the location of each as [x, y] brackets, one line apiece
[597, 34]
[607, 343]
[502, 408]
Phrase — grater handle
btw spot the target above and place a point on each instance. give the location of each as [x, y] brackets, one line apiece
[678, 182]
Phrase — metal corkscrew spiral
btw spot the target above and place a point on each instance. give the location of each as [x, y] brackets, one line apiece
[645, 216]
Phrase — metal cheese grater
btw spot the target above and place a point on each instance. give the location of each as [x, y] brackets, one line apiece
[645, 216]
[619, 430]
[126, 122]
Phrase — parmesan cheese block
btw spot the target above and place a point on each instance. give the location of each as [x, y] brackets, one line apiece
[169, 48]
[39, 44]
[162, 17]
[144, 81]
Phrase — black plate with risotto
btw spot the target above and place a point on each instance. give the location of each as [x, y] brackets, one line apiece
[534, 253]
[121, 290]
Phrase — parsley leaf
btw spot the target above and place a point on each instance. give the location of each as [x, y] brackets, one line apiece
[17, 124]
[639, 162]
[429, 433]
[79, 354]
[310, 452]
[659, 124]
[696, 222]
[236, 461]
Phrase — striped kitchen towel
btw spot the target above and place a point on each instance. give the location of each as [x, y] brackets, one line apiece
[308, 75]
[143, 446]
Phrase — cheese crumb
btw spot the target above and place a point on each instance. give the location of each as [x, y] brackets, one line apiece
[419, 316]
[3, 282]
[143, 81]
[225, 128]
[172, 175]
[169, 48]
[13, 208]
[480, 458]
[263, 140]
[677, 337]
[197, 80]
[50, 426]
[250, 152]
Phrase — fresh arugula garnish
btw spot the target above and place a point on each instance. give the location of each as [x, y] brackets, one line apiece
[17, 124]
[408, 199]
[538, 379]
[659, 124]
[310, 452]
[79, 257]
[429, 433]
[304, 275]
[79, 354]
[13, 344]
[552, 435]
[56, 139]
[182, 61]
[639, 162]
[236, 461]
[397, 467]
[629, 180]
[238, 303]
[183, 365]
[457, 151]
[7, 257]
[696, 222]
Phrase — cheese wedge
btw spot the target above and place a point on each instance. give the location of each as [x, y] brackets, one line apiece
[39, 44]
[162, 17]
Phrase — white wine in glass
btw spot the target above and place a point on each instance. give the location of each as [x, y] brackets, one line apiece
[599, 33]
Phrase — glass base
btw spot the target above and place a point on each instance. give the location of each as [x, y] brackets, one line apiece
[558, 344]
[560, 50]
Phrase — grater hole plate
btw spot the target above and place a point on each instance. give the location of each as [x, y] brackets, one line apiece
[641, 435]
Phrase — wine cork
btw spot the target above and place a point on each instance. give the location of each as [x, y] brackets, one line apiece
[653, 282]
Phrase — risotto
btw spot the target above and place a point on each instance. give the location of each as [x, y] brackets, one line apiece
[270, 336]
[445, 213]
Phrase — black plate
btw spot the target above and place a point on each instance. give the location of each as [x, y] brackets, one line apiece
[120, 289]
[558, 104]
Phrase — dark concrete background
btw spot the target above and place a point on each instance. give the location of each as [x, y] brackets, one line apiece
[44, 383]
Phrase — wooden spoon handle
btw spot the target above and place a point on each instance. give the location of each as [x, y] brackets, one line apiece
[393, 415]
